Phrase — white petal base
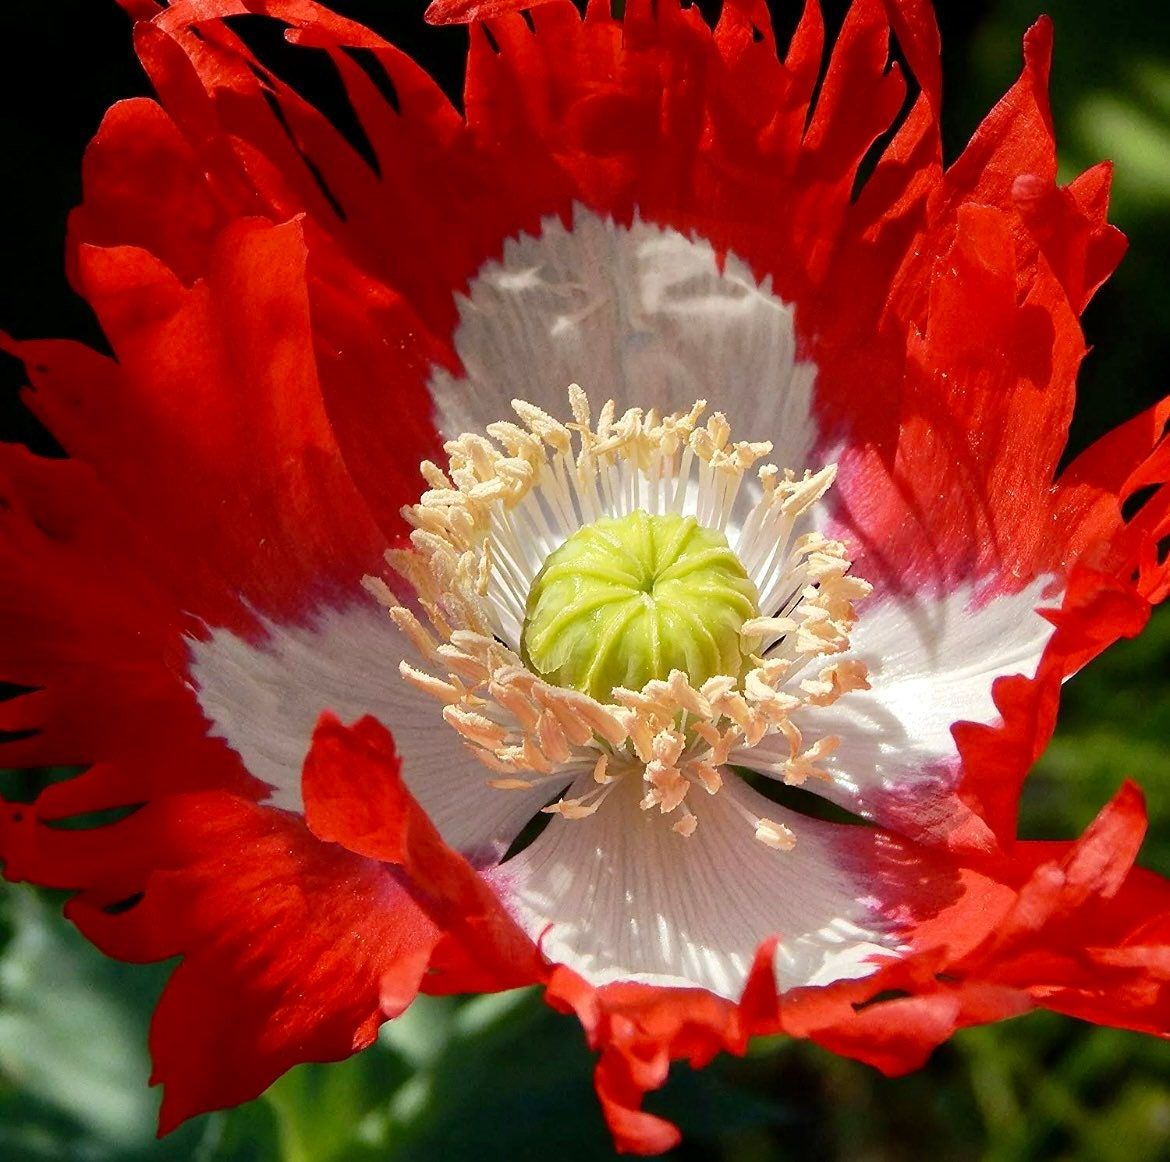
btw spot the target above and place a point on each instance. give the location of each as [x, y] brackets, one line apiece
[621, 897]
[264, 700]
[932, 661]
[641, 314]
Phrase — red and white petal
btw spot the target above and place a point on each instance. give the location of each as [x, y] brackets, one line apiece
[206, 490]
[1098, 609]
[641, 314]
[693, 133]
[264, 699]
[1083, 932]
[932, 663]
[619, 896]
[954, 481]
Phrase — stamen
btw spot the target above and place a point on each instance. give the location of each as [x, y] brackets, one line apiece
[504, 624]
[775, 835]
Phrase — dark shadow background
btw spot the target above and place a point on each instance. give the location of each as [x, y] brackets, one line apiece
[503, 1078]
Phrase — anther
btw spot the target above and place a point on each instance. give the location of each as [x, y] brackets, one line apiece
[659, 641]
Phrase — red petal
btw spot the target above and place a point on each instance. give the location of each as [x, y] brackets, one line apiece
[1069, 942]
[917, 30]
[87, 622]
[466, 11]
[268, 151]
[1070, 228]
[355, 796]
[210, 427]
[640, 1029]
[1087, 934]
[938, 490]
[1016, 136]
[1132, 458]
[377, 406]
[286, 942]
[977, 403]
[144, 187]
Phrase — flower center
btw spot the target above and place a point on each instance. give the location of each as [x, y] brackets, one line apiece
[628, 599]
[630, 612]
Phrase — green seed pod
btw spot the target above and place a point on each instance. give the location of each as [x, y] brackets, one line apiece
[628, 599]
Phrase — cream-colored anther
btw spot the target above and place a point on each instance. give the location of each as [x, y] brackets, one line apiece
[775, 835]
[467, 562]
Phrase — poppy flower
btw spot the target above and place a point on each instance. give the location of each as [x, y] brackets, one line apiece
[352, 577]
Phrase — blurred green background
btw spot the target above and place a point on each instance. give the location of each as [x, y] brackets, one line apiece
[503, 1077]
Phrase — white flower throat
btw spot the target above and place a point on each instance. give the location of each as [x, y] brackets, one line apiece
[551, 576]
